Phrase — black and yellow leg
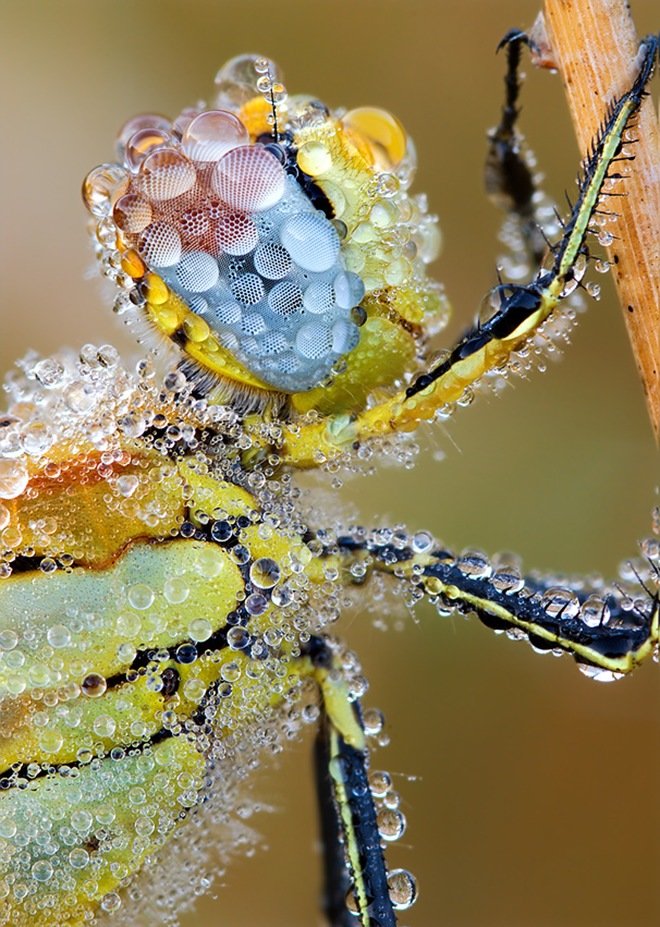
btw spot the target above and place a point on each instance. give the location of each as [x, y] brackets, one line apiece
[608, 633]
[518, 311]
[355, 873]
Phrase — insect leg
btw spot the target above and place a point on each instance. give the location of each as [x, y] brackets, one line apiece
[517, 312]
[347, 810]
[609, 631]
[508, 175]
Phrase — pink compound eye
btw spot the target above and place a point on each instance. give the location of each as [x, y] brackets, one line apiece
[212, 134]
[166, 174]
[236, 233]
[132, 213]
[249, 179]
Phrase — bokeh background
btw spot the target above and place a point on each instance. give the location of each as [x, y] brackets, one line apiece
[534, 797]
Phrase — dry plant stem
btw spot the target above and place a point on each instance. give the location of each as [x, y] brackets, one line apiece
[594, 44]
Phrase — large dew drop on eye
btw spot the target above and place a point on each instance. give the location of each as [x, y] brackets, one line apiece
[212, 134]
[160, 245]
[311, 240]
[249, 179]
[235, 233]
[166, 174]
[197, 272]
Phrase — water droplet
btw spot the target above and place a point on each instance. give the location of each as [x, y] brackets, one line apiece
[94, 685]
[560, 603]
[391, 824]
[42, 870]
[111, 902]
[14, 477]
[402, 889]
[58, 636]
[265, 573]
[200, 629]
[140, 596]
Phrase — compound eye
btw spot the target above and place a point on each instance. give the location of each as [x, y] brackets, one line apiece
[211, 135]
[239, 240]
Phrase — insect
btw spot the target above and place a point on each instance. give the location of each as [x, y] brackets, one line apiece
[190, 479]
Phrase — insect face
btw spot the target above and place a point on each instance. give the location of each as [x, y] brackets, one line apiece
[273, 242]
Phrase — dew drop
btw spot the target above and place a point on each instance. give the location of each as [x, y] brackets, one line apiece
[402, 889]
[94, 685]
[14, 478]
[42, 870]
[140, 596]
[265, 573]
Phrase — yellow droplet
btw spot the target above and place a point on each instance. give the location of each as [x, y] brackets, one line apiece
[157, 291]
[132, 264]
[314, 159]
[382, 132]
[196, 329]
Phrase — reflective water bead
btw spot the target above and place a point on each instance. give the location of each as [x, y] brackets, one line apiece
[176, 590]
[42, 870]
[140, 596]
[272, 261]
[598, 674]
[166, 174]
[314, 158]
[212, 134]
[402, 889]
[243, 69]
[314, 340]
[382, 132]
[256, 604]
[110, 902]
[58, 636]
[153, 121]
[474, 564]
[249, 179]
[559, 602]
[8, 639]
[200, 629]
[78, 858]
[595, 611]
[391, 824]
[14, 477]
[94, 685]
[238, 638]
[194, 689]
[186, 653]
[132, 213]
[127, 484]
[380, 782]
[373, 721]
[104, 726]
[285, 298]
[197, 271]
[422, 542]
[248, 289]
[349, 290]
[160, 245]
[265, 573]
[235, 233]
[102, 187]
[311, 240]
[144, 142]
[319, 297]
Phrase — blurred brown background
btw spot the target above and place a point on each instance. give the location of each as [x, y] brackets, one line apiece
[536, 797]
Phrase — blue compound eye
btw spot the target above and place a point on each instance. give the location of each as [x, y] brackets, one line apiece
[240, 241]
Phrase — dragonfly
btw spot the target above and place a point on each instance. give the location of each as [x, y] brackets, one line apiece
[168, 593]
